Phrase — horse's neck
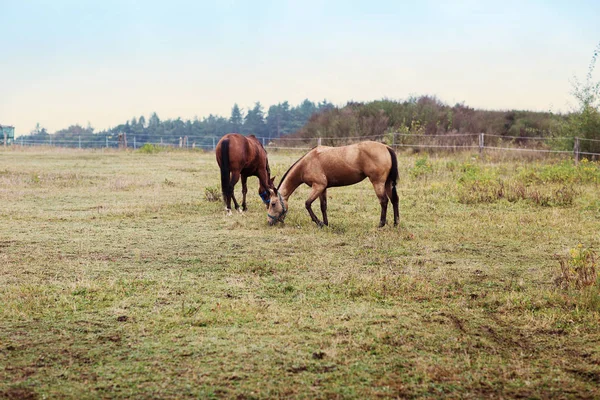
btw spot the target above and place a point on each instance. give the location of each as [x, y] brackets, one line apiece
[291, 182]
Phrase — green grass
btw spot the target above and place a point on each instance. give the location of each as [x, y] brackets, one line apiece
[120, 279]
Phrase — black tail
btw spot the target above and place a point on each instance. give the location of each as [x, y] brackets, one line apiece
[225, 168]
[393, 175]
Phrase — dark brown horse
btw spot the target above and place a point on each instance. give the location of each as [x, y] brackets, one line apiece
[325, 167]
[241, 156]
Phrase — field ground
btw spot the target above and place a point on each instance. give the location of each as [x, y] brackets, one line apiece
[119, 279]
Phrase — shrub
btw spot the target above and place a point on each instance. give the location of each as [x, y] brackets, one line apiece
[150, 149]
[578, 275]
[585, 121]
[422, 168]
[212, 193]
[579, 269]
[566, 173]
[485, 187]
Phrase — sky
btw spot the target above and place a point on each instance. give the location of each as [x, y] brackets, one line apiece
[103, 62]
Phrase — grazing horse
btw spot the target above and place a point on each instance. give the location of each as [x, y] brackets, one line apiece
[324, 167]
[241, 156]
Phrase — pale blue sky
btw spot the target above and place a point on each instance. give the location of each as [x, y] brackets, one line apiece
[67, 61]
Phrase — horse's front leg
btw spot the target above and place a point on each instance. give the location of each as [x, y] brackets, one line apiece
[315, 192]
[323, 199]
[244, 191]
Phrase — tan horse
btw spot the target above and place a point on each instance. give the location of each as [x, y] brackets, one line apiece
[324, 167]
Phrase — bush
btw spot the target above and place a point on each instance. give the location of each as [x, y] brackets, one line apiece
[422, 168]
[212, 193]
[150, 149]
[579, 276]
[585, 121]
[565, 173]
[579, 269]
[484, 186]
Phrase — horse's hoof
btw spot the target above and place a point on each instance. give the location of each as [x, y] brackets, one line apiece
[229, 214]
[241, 211]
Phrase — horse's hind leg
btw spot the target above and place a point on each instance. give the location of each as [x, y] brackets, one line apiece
[393, 195]
[380, 190]
[244, 191]
[235, 177]
[323, 200]
[315, 192]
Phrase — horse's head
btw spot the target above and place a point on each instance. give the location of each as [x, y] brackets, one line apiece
[265, 192]
[278, 207]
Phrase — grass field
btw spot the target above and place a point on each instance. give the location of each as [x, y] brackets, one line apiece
[119, 279]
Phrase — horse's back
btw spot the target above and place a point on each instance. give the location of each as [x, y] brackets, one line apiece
[245, 153]
[375, 156]
[347, 165]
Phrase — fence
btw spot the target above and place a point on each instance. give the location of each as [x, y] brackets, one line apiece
[450, 142]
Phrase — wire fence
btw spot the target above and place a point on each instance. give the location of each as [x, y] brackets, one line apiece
[479, 142]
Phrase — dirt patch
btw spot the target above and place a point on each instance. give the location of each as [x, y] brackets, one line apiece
[591, 376]
[18, 394]
[456, 321]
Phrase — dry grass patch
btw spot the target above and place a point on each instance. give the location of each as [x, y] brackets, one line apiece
[119, 277]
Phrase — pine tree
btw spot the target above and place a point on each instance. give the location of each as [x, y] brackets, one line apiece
[254, 122]
[236, 119]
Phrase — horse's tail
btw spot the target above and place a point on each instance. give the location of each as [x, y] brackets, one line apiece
[225, 167]
[393, 175]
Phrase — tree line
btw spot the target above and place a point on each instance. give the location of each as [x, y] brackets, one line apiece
[279, 120]
[427, 115]
[424, 115]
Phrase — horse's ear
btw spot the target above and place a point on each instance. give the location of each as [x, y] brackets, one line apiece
[272, 181]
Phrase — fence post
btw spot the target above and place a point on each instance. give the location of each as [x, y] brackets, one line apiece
[576, 151]
[263, 140]
[106, 137]
[318, 141]
[5, 138]
[134, 144]
[481, 144]
[161, 142]
[214, 147]
[80, 141]
[21, 141]
[393, 139]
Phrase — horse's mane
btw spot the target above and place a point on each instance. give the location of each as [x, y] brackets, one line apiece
[262, 147]
[290, 168]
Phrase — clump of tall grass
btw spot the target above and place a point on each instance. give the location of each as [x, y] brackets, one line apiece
[422, 168]
[578, 274]
[212, 193]
[579, 269]
[150, 149]
[565, 173]
[477, 185]
[476, 192]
